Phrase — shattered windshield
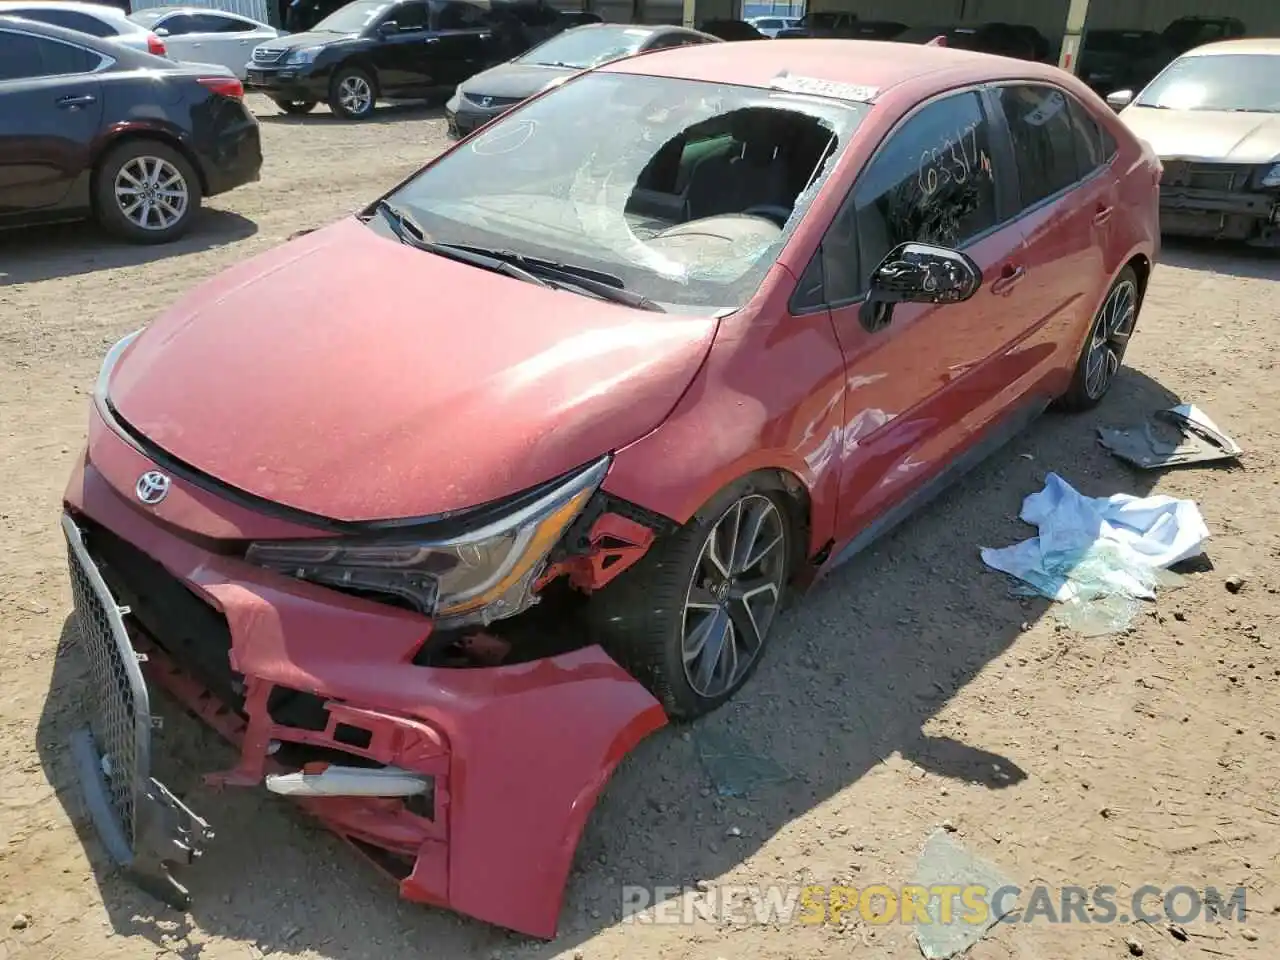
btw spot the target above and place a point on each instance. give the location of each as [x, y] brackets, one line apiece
[686, 194]
[1247, 82]
[587, 48]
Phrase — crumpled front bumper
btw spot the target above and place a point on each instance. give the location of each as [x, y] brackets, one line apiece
[515, 755]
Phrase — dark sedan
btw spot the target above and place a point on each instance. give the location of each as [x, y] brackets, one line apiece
[371, 50]
[495, 91]
[90, 128]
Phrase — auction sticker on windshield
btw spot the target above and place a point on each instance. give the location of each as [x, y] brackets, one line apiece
[824, 88]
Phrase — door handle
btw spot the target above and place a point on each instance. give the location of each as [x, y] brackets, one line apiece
[1009, 276]
[1103, 215]
[431, 40]
[81, 101]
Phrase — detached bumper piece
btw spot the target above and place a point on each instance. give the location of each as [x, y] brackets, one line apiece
[1215, 201]
[145, 829]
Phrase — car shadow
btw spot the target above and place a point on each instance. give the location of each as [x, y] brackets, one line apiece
[32, 254]
[1221, 257]
[858, 675]
[384, 113]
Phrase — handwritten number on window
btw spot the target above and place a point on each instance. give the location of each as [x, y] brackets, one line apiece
[957, 160]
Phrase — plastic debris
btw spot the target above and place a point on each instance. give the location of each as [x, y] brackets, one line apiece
[1100, 556]
[734, 768]
[1180, 435]
[950, 932]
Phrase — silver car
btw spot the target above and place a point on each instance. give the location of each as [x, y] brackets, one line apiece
[95, 19]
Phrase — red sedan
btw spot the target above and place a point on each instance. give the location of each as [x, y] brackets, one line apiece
[448, 504]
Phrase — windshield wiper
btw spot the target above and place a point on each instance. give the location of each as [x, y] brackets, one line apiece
[409, 232]
[603, 285]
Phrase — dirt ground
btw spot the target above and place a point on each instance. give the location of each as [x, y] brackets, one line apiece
[910, 690]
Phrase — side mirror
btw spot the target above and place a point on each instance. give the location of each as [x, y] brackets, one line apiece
[1119, 99]
[161, 31]
[923, 273]
[388, 26]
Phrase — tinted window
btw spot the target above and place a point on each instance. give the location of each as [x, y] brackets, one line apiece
[179, 24]
[23, 57]
[71, 19]
[455, 15]
[212, 23]
[536, 15]
[1091, 148]
[408, 16]
[931, 181]
[1043, 139]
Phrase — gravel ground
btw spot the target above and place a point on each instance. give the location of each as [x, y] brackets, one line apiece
[910, 691]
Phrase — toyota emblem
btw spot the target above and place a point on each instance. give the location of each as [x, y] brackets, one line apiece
[152, 487]
[486, 101]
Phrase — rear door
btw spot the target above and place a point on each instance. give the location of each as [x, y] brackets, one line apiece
[50, 114]
[919, 385]
[1068, 195]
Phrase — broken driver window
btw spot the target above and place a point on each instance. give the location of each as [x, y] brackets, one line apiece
[683, 191]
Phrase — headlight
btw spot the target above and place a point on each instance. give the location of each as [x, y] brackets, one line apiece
[104, 375]
[305, 55]
[1272, 177]
[477, 577]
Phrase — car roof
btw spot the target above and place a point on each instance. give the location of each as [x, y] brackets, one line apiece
[1246, 45]
[866, 63]
[102, 11]
[166, 11]
[96, 44]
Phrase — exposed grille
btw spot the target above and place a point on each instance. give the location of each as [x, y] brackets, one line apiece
[268, 54]
[191, 631]
[482, 101]
[116, 700]
[1206, 176]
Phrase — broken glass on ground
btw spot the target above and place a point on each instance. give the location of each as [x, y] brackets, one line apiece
[1174, 437]
[734, 767]
[1100, 557]
[954, 927]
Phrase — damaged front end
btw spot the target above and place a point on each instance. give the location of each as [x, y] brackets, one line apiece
[406, 735]
[1221, 201]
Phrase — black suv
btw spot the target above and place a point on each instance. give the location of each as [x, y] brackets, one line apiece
[394, 49]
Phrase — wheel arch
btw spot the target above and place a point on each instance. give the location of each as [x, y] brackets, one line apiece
[683, 502]
[361, 62]
[156, 134]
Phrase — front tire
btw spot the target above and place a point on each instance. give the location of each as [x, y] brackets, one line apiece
[691, 620]
[352, 94]
[1105, 346]
[146, 192]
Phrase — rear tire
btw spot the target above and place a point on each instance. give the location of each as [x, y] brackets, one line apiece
[692, 618]
[295, 108]
[352, 94]
[1104, 347]
[145, 191]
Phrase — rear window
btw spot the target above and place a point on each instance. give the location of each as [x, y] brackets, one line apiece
[71, 19]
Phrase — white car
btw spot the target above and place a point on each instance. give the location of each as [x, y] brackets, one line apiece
[201, 35]
[770, 26]
[95, 19]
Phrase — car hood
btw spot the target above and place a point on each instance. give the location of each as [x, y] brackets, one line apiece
[1207, 134]
[349, 376]
[514, 80]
